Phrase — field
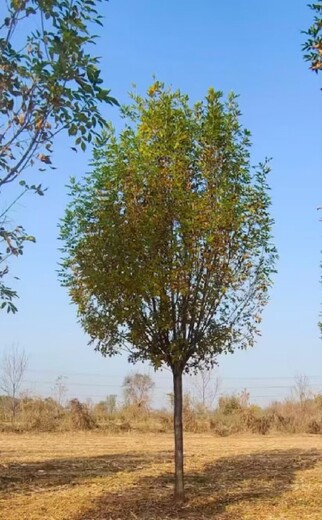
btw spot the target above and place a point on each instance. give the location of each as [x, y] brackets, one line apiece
[92, 476]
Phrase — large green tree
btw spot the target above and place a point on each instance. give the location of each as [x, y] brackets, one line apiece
[167, 242]
[49, 82]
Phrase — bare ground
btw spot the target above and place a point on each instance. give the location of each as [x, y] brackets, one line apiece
[93, 476]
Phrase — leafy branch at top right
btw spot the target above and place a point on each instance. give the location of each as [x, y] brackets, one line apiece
[313, 46]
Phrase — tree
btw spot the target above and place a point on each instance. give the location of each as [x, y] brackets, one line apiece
[48, 83]
[137, 390]
[110, 404]
[167, 243]
[60, 390]
[313, 46]
[301, 389]
[205, 388]
[13, 366]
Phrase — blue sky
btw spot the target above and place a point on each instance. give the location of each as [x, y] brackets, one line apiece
[253, 48]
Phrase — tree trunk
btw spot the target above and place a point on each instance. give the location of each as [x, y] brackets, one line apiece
[178, 435]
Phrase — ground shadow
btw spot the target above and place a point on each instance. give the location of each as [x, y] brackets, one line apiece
[32, 476]
[229, 480]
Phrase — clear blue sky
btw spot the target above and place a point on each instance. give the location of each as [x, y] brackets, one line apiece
[253, 48]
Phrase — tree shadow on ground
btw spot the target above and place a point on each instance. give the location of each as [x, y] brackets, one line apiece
[228, 481]
[33, 476]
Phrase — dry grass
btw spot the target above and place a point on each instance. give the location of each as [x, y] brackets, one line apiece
[92, 476]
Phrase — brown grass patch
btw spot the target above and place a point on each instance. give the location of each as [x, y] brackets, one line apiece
[92, 476]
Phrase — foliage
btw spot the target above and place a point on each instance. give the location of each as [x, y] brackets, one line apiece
[167, 242]
[177, 222]
[48, 82]
[313, 46]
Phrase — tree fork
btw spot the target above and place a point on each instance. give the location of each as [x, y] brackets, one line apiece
[178, 434]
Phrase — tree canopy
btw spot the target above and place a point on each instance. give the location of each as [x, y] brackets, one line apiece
[49, 82]
[167, 248]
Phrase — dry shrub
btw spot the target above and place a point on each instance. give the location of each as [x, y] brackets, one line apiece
[80, 416]
[153, 421]
[314, 427]
[133, 417]
[189, 416]
[194, 420]
[115, 426]
[36, 414]
[196, 425]
[133, 413]
[5, 408]
[235, 415]
[165, 420]
[256, 419]
[223, 428]
[106, 411]
[229, 404]
[291, 416]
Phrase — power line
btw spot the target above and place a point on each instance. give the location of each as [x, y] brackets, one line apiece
[67, 383]
[244, 378]
[88, 374]
[231, 388]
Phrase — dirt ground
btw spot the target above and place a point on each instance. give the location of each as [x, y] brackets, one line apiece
[94, 476]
